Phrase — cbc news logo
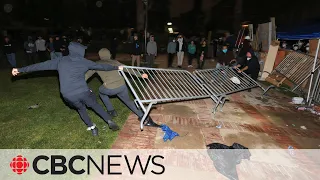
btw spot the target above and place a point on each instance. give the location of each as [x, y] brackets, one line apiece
[19, 164]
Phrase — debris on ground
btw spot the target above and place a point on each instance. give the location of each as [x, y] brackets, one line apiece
[168, 133]
[293, 125]
[34, 106]
[303, 127]
[291, 150]
[313, 109]
[219, 126]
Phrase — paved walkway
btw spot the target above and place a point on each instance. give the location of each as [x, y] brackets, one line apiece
[246, 119]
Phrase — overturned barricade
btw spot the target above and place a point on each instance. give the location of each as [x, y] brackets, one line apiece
[166, 85]
[296, 68]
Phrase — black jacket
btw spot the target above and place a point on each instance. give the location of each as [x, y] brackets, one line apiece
[136, 48]
[57, 45]
[8, 48]
[184, 46]
[253, 65]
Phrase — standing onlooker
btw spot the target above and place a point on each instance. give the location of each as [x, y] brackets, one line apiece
[192, 49]
[136, 51]
[41, 48]
[57, 44]
[246, 47]
[64, 44]
[225, 58]
[181, 48]
[171, 49]
[152, 50]
[203, 51]
[50, 48]
[114, 48]
[10, 52]
[30, 48]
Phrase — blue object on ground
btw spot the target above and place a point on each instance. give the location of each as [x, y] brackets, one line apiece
[168, 133]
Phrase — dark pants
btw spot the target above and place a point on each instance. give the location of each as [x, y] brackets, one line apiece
[31, 58]
[191, 57]
[150, 60]
[254, 76]
[123, 95]
[87, 99]
[42, 56]
[170, 59]
[201, 63]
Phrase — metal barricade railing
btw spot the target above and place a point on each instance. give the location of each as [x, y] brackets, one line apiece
[218, 81]
[162, 85]
[315, 95]
[297, 68]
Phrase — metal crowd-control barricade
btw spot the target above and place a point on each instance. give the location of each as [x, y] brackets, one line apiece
[297, 68]
[218, 82]
[162, 85]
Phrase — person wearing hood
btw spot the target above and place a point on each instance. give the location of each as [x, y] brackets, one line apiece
[136, 51]
[57, 44]
[181, 48]
[171, 49]
[73, 87]
[41, 48]
[251, 66]
[152, 50]
[114, 85]
[9, 50]
[30, 48]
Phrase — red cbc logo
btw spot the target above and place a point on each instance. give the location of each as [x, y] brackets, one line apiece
[19, 164]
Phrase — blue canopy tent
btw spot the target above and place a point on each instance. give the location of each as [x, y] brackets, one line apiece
[305, 32]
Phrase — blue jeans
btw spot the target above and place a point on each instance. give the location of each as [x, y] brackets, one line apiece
[12, 59]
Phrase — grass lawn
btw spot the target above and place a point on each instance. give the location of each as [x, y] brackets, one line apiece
[53, 125]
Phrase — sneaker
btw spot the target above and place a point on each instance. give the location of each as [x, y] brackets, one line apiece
[113, 126]
[93, 129]
[113, 113]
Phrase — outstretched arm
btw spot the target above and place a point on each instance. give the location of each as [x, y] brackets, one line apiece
[102, 67]
[47, 65]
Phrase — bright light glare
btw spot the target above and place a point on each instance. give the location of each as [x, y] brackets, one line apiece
[169, 23]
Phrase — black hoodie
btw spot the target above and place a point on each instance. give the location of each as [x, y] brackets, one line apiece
[136, 48]
[71, 68]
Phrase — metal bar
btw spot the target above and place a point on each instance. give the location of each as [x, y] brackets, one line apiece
[314, 95]
[146, 112]
[313, 69]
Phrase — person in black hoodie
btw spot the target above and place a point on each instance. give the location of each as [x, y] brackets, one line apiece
[64, 43]
[136, 51]
[9, 51]
[73, 87]
[30, 48]
[57, 44]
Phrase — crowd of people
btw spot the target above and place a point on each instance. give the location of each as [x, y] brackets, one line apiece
[38, 50]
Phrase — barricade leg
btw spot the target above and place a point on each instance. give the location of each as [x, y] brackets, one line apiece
[147, 111]
[223, 102]
[266, 90]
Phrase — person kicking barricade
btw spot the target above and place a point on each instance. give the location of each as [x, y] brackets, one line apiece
[114, 84]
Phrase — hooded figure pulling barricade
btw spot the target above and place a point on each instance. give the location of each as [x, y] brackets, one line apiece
[73, 87]
[114, 84]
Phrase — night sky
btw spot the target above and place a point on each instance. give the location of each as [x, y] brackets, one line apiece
[214, 14]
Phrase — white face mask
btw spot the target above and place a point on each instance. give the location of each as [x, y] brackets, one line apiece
[248, 58]
[307, 48]
[174, 40]
[295, 48]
